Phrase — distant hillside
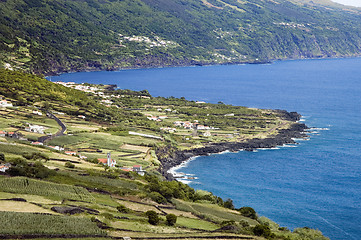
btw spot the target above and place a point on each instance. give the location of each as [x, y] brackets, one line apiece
[45, 36]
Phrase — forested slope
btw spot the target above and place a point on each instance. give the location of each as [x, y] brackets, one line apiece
[46, 36]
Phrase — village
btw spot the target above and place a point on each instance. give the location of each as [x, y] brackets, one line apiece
[177, 120]
[19, 134]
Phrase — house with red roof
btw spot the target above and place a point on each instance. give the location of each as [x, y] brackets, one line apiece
[4, 167]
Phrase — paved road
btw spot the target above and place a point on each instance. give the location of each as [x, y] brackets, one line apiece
[59, 133]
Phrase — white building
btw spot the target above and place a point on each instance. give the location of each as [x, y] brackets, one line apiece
[4, 104]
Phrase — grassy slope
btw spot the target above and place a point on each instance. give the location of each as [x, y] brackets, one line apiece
[54, 36]
[98, 191]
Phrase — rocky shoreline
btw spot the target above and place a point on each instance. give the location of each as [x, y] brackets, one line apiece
[170, 157]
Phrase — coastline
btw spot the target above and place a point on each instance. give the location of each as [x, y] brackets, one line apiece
[171, 158]
[51, 73]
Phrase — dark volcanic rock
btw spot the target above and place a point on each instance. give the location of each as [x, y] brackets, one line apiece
[15, 199]
[171, 158]
[67, 210]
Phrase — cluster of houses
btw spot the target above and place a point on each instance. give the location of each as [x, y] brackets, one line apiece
[190, 125]
[38, 113]
[80, 87]
[158, 42]
[35, 128]
[111, 163]
[16, 135]
[155, 118]
[136, 168]
[168, 129]
[58, 148]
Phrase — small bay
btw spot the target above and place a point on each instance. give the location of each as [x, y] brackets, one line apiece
[316, 183]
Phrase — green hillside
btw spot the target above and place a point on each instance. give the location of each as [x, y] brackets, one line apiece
[59, 189]
[46, 36]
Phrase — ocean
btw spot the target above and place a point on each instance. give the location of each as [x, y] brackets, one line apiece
[315, 183]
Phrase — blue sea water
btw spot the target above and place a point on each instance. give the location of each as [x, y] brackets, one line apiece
[316, 183]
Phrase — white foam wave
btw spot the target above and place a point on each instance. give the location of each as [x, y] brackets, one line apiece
[274, 148]
[184, 181]
[289, 145]
[318, 129]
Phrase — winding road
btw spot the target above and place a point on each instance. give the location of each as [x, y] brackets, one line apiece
[59, 133]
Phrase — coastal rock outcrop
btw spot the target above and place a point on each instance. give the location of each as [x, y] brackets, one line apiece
[170, 157]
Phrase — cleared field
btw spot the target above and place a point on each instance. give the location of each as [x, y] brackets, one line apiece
[29, 198]
[180, 213]
[138, 206]
[16, 206]
[212, 212]
[146, 227]
[196, 224]
[135, 147]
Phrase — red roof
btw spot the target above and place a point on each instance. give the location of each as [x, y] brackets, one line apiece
[70, 152]
[127, 170]
[2, 132]
[103, 160]
[137, 166]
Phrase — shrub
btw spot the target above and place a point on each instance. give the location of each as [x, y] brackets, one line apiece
[35, 156]
[171, 219]
[153, 217]
[123, 209]
[108, 216]
[262, 230]
[248, 212]
[244, 223]
[69, 165]
[157, 197]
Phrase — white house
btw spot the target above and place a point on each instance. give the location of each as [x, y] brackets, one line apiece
[138, 169]
[207, 134]
[37, 113]
[4, 104]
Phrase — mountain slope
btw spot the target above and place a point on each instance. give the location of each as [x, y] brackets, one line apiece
[62, 35]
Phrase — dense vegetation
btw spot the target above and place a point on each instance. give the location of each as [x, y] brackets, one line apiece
[55, 36]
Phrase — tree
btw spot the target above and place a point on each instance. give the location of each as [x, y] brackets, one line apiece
[248, 212]
[171, 219]
[2, 157]
[153, 217]
[157, 197]
[262, 230]
[228, 204]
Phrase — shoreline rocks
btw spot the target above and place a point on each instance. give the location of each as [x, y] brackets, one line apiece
[170, 157]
